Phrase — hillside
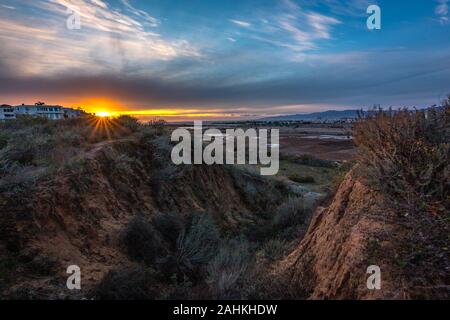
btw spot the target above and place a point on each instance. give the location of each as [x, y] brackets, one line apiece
[116, 207]
[390, 211]
[330, 115]
[102, 194]
[331, 261]
[354, 232]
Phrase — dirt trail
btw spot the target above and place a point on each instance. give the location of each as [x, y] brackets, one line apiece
[95, 148]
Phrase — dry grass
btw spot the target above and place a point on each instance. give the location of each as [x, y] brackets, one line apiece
[407, 156]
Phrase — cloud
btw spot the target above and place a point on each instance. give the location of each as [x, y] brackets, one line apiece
[442, 8]
[284, 55]
[241, 23]
[442, 11]
[317, 27]
[100, 4]
[141, 13]
[293, 27]
[8, 7]
[363, 82]
[348, 8]
[109, 41]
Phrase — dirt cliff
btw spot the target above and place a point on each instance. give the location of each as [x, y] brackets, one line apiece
[76, 216]
[357, 230]
[332, 260]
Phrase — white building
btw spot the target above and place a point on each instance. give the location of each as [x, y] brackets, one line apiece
[72, 113]
[40, 110]
[7, 112]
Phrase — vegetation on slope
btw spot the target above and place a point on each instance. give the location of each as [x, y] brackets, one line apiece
[405, 155]
[190, 231]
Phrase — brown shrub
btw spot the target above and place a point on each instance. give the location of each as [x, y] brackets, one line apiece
[406, 154]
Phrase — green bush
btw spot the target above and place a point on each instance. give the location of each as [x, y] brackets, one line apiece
[169, 225]
[197, 245]
[141, 241]
[21, 152]
[275, 249]
[127, 284]
[128, 122]
[292, 212]
[302, 179]
[43, 265]
[260, 284]
[3, 140]
[123, 164]
[311, 161]
[227, 268]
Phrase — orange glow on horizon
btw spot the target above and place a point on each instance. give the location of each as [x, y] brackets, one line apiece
[103, 114]
[105, 107]
[99, 105]
[109, 108]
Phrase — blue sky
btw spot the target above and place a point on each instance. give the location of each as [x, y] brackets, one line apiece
[225, 58]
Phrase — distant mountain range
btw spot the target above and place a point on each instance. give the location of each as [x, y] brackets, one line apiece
[325, 115]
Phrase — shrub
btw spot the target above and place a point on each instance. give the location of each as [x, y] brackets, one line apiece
[71, 138]
[169, 225]
[252, 186]
[407, 155]
[259, 284]
[22, 152]
[158, 125]
[43, 265]
[227, 268]
[309, 160]
[162, 149]
[182, 290]
[141, 240]
[292, 212]
[274, 249]
[302, 179]
[3, 140]
[128, 122]
[127, 284]
[198, 245]
[17, 179]
[123, 164]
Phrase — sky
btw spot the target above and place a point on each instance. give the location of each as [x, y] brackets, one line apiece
[220, 59]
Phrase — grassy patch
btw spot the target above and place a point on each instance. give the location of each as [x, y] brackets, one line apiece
[317, 179]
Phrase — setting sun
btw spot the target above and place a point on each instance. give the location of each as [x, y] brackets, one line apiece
[103, 114]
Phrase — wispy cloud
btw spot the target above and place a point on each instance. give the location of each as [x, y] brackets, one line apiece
[241, 23]
[100, 4]
[293, 27]
[347, 8]
[8, 7]
[305, 35]
[442, 11]
[141, 13]
[110, 40]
